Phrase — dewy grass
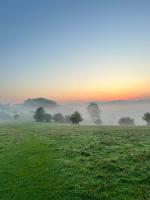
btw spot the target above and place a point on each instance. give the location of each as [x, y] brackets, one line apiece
[46, 161]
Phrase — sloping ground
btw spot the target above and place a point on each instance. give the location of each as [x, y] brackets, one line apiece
[45, 161]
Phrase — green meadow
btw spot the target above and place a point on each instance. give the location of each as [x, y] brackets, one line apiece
[43, 161]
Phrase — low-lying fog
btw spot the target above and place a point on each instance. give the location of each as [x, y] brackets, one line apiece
[111, 112]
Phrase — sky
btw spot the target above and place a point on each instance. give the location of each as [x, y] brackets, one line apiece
[74, 50]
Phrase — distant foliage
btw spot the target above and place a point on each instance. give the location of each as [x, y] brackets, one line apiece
[76, 118]
[58, 117]
[146, 118]
[94, 113]
[67, 119]
[126, 121]
[47, 117]
[39, 115]
[98, 122]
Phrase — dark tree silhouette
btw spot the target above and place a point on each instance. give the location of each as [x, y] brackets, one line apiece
[146, 118]
[75, 118]
[126, 121]
[39, 115]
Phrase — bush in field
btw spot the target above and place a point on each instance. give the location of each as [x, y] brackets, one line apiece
[47, 117]
[146, 118]
[58, 117]
[39, 115]
[94, 113]
[98, 122]
[75, 118]
[127, 121]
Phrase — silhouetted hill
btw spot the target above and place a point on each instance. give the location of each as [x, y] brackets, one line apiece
[39, 102]
[123, 101]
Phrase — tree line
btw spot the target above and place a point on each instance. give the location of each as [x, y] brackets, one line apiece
[129, 121]
[41, 116]
[94, 113]
[93, 110]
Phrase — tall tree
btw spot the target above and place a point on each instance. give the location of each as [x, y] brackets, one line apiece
[146, 118]
[75, 118]
[94, 113]
[39, 115]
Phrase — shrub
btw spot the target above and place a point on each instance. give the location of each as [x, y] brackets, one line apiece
[58, 117]
[47, 117]
[126, 121]
[75, 118]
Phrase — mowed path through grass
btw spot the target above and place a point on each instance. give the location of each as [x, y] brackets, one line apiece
[45, 161]
[29, 165]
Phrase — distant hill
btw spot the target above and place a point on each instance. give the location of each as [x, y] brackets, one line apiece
[39, 102]
[123, 101]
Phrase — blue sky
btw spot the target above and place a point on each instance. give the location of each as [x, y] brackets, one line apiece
[74, 49]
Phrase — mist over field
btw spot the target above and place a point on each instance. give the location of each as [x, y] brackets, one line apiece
[110, 112]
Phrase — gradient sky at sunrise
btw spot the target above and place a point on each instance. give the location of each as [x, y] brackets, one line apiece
[70, 50]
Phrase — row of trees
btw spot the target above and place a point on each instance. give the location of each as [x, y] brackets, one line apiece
[41, 116]
[130, 121]
[93, 111]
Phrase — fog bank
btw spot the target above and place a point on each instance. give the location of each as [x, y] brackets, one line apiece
[111, 112]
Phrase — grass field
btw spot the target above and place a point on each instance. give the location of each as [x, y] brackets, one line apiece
[40, 161]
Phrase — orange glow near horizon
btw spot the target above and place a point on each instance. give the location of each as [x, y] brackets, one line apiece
[88, 94]
[83, 97]
[106, 93]
[116, 88]
[103, 96]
